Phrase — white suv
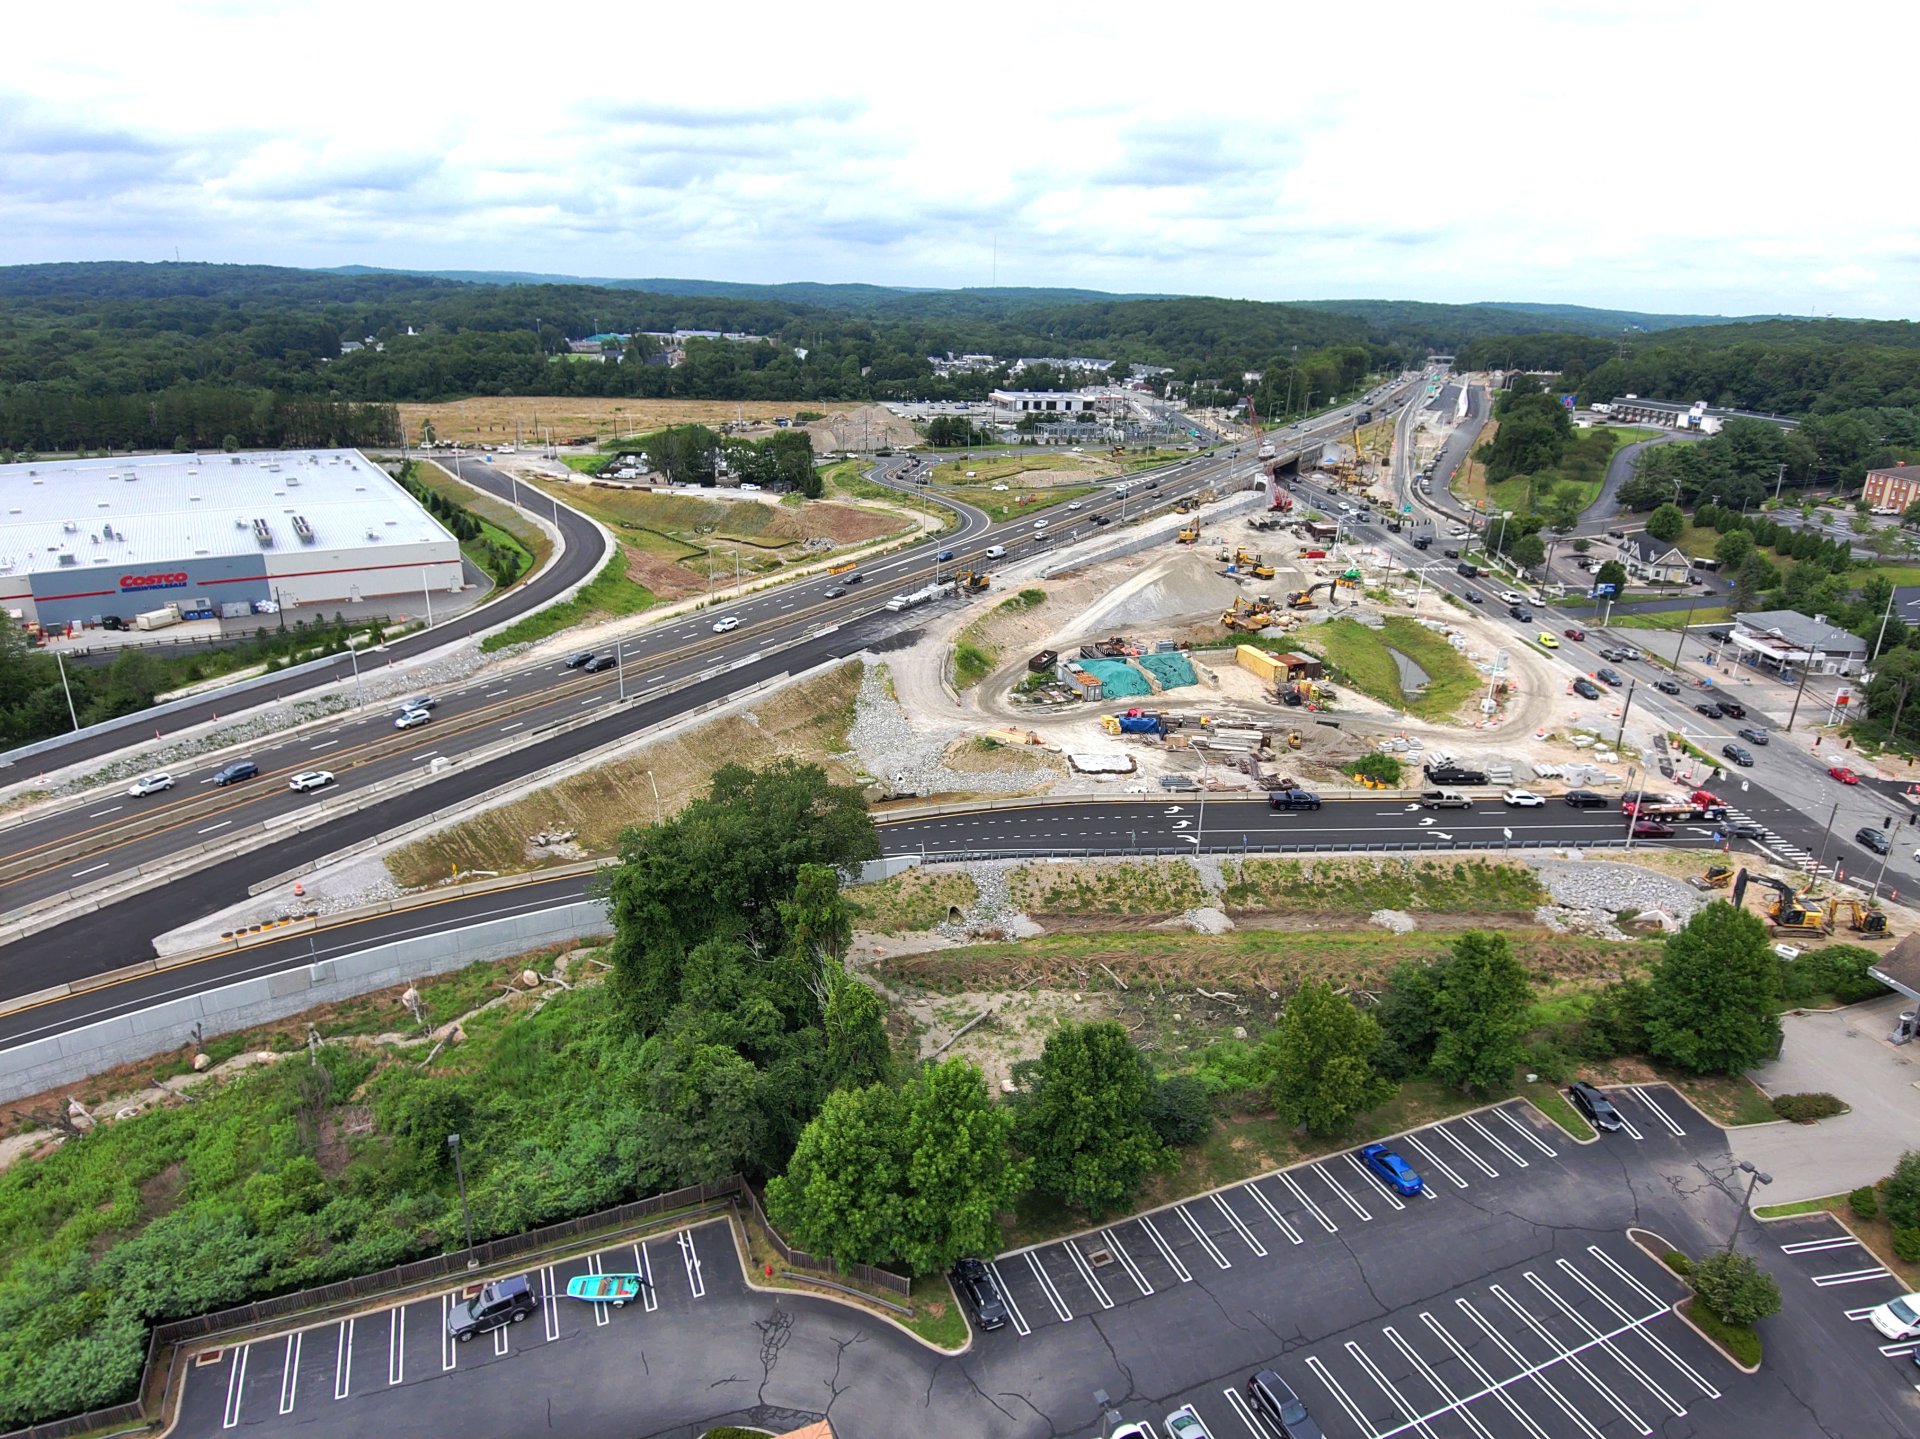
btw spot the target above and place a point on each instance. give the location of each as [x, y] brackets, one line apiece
[150, 784]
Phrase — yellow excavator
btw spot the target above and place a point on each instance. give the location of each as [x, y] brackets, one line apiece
[1790, 913]
[1303, 599]
[1866, 921]
[1190, 534]
[971, 582]
[1246, 616]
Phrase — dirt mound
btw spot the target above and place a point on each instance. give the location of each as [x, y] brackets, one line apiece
[869, 427]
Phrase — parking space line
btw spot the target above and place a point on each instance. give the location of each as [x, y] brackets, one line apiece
[290, 1375]
[1850, 1276]
[1166, 1250]
[649, 1297]
[447, 1344]
[1652, 1339]
[1531, 1372]
[1086, 1273]
[691, 1257]
[1372, 1370]
[1437, 1162]
[1809, 1246]
[397, 1344]
[1245, 1233]
[236, 1382]
[1527, 1134]
[1856, 1315]
[1379, 1184]
[1126, 1262]
[1454, 1140]
[1020, 1325]
[500, 1342]
[1493, 1139]
[1312, 1208]
[1474, 1367]
[1627, 1124]
[1571, 1357]
[1895, 1351]
[1201, 1235]
[1293, 1235]
[1352, 1203]
[1333, 1385]
[343, 1362]
[1640, 1093]
[602, 1313]
[1646, 1381]
[1412, 1356]
[550, 1311]
[1046, 1288]
[1607, 1259]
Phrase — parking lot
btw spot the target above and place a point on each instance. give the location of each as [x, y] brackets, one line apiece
[1844, 1278]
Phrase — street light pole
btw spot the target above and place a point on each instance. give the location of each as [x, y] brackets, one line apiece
[1683, 632]
[466, 1216]
[427, 593]
[61, 665]
[1831, 816]
[1746, 1167]
[620, 667]
[1881, 638]
[1805, 670]
[1620, 739]
[1634, 818]
[359, 699]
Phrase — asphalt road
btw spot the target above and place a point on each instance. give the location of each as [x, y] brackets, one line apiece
[1506, 1302]
[1605, 509]
[584, 551]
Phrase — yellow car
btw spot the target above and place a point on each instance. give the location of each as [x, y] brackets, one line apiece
[1547, 641]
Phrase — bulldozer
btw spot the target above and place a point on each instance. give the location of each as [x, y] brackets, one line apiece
[1790, 913]
[1246, 616]
[1866, 921]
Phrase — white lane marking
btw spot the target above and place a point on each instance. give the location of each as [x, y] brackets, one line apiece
[1245, 1233]
[1333, 1385]
[236, 1382]
[1372, 1370]
[1607, 1259]
[1086, 1273]
[1437, 1162]
[397, 1344]
[549, 1311]
[1808, 1246]
[655, 679]
[650, 1300]
[425, 754]
[1652, 1339]
[495, 694]
[448, 1344]
[500, 1341]
[1571, 1356]
[1412, 1356]
[691, 1256]
[1201, 1235]
[90, 869]
[505, 728]
[1640, 1093]
[343, 1362]
[593, 700]
[1312, 1208]
[290, 1375]
[1494, 1140]
[212, 827]
[113, 809]
[1535, 1373]
[1046, 1288]
[324, 744]
[1895, 1351]
[602, 1313]
[1453, 1139]
[1678, 1410]
[1379, 1184]
[1527, 1134]
[1352, 1203]
[1020, 1326]
[1850, 1276]
[1126, 1262]
[1490, 1386]
[1166, 1250]
[1293, 1235]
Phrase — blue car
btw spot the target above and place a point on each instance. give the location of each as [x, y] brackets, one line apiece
[1391, 1170]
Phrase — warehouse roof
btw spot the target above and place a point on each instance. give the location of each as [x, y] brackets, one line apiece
[75, 514]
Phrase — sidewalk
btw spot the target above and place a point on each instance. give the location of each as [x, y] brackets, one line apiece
[1845, 1053]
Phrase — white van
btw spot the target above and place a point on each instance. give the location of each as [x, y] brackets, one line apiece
[995, 552]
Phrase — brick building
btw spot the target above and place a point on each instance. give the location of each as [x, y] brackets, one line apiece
[1893, 488]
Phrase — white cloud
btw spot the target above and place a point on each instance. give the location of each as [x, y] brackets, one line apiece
[1678, 156]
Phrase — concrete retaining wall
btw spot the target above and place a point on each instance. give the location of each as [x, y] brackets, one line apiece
[69, 1057]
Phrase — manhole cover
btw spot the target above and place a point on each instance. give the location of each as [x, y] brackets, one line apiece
[1098, 1257]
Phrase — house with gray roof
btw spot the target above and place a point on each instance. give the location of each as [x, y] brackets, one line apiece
[1788, 640]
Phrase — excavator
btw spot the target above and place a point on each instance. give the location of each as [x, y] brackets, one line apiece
[1190, 534]
[1247, 616]
[1242, 559]
[1303, 599]
[971, 582]
[1790, 913]
[1867, 922]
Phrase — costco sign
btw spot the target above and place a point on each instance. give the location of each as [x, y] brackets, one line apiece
[177, 580]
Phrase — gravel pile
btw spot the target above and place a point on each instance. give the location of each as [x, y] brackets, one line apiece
[1609, 889]
[906, 762]
[994, 911]
[1395, 920]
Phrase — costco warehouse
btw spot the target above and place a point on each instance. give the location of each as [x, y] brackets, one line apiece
[214, 534]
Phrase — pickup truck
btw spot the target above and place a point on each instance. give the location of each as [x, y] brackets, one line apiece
[1444, 799]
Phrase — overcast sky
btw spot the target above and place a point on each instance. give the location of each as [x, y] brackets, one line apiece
[1728, 158]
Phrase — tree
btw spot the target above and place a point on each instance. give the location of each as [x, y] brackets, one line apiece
[1527, 551]
[1903, 1192]
[1757, 574]
[1611, 573]
[914, 1177]
[1735, 1289]
[1086, 1125]
[1733, 548]
[855, 1018]
[1321, 1054]
[1581, 545]
[1712, 1004]
[1479, 1013]
[1666, 523]
[1405, 1018]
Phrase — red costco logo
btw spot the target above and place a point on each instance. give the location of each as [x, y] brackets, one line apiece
[153, 582]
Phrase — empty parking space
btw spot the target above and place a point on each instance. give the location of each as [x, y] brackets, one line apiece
[1849, 1283]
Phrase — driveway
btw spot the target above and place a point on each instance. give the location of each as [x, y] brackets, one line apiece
[1844, 1053]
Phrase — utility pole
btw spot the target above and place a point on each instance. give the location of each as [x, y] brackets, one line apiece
[1683, 632]
[1779, 482]
[1821, 860]
[61, 665]
[453, 1143]
[1805, 670]
[1621, 738]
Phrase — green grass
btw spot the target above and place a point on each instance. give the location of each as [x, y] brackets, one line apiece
[1672, 621]
[964, 474]
[609, 593]
[1548, 1099]
[1359, 656]
[1742, 1341]
[936, 1313]
[1834, 1202]
[845, 481]
[1006, 505]
[1360, 887]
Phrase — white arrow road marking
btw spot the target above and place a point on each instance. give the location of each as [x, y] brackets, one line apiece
[1182, 823]
[1442, 834]
[1427, 821]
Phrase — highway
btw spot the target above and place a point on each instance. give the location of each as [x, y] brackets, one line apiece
[584, 551]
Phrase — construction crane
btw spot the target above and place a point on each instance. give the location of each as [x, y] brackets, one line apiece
[1265, 451]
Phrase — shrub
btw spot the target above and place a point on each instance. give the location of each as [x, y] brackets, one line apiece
[1805, 1108]
[1179, 1109]
[1381, 768]
[1902, 1194]
[1548, 1060]
[1739, 1340]
[1864, 1202]
[1678, 1263]
[1232, 1067]
[1906, 1244]
[1735, 1288]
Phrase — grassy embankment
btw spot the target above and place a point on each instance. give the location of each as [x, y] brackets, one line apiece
[1359, 656]
[608, 595]
[974, 654]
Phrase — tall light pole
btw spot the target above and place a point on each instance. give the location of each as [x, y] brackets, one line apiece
[1620, 739]
[426, 592]
[1683, 632]
[656, 798]
[1881, 638]
[61, 665]
[1805, 670]
[359, 699]
[620, 667]
[466, 1216]
[1821, 860]
[1638, 804]
[1746, 1167]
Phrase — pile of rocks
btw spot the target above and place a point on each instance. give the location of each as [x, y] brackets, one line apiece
[907, 762]
[1589, 895]
[993, 910]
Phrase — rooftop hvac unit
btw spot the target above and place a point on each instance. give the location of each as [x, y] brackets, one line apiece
[235, 460]
[302, 530]
[293, 479]
[72, 527]
[67, 561]
[262, 533]
[373, 534]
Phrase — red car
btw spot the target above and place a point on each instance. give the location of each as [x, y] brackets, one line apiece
[1843, 774]
[1576, 634]
[1651, 829]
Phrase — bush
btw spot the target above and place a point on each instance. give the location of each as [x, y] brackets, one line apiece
[1179, 1109]
[1548, 1060]
[1381, 768]
[1805, 1108]
[1903, 1193]
[1739, 1340]
[1906, 1244]
[1678, 1263]
[1736, 1289]
[1864, 1202]
[1233, 1067]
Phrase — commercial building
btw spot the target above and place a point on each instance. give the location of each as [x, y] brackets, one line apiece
[1893, 488]
[1788, 640]
[1653, 560]
[216, 534]
[1699, 417]
[1042, 402]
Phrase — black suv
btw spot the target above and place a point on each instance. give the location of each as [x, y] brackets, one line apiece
[1273, 1399]
[1586, 689]
[975, 1280]
[1293, 799]
[504, 1301]
[598, 663]
[1608, 677]
[1596, 1106]
[1873, 838]
[232, 774]
[1728, 707]
[1586, 799]
[1521, 613]
[580, 661]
